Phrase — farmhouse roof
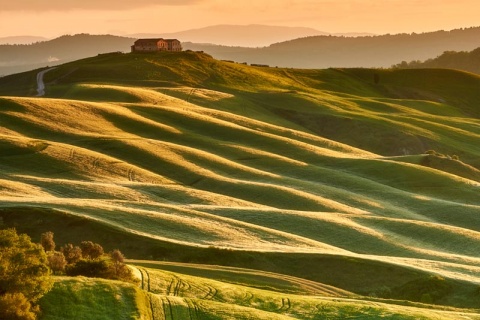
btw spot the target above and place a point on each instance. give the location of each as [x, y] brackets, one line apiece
[155, 40]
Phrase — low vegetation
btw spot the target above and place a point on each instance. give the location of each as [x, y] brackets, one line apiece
[87, 260]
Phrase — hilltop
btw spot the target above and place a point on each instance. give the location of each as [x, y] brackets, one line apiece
[363, 180]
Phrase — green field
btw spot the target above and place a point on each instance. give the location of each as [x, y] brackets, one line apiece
[365, 182]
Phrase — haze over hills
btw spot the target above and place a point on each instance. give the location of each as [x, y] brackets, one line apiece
[309, 52]
[370, 51]
[21, 39]
[18, 58]
[363, 181]
[242, 35]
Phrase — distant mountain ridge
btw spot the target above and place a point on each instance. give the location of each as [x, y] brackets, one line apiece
[333, 51]
[253, 35]
[315, 52]
[21, 39]
[18, 58]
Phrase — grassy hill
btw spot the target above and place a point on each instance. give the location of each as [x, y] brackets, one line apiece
[180, 291]
[325, 175]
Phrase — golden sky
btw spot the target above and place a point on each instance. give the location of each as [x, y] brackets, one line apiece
[53, 18]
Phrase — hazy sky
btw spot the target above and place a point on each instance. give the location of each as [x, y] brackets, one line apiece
[57, 17]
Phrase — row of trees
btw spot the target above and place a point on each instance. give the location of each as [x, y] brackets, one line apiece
[26, 268]
[461, 60]
[89, 259]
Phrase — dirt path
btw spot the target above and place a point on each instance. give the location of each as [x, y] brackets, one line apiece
[40, 83]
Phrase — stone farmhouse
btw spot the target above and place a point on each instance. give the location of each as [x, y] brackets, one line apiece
[154, 45]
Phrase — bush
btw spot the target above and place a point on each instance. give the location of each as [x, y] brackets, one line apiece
[91, 250]
[89, 268]
[428, 290]
[56, 262]
[47, 242]
[72, 253]
[15, 306]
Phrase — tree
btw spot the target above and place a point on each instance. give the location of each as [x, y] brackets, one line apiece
[91, 250]
[24, 274]
[47, 242]
[56, 262]
[117, 262]
[14, 306]
[72, 253]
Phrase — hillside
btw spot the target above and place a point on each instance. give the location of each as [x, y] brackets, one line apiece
[317, 174]
[463, 60]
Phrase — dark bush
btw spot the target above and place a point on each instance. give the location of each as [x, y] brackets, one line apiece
[428, 290]
[89, 268]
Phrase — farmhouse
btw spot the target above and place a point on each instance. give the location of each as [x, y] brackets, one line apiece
[154, 45]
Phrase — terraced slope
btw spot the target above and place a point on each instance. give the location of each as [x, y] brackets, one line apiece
[187, 150]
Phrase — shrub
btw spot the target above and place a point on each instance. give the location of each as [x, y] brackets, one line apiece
[89, 268]
[72, 253]
[47, 242]
[91, 250]
[15, 306]
[428, 290]
[56, 262]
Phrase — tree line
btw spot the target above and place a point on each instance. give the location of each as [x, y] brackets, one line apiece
[460, 60]
[26, 269]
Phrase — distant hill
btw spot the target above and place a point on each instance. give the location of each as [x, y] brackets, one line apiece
[335, 51]
[253, 35]
[309, 52]
[18, 58]
[21, 40]
[462, 60]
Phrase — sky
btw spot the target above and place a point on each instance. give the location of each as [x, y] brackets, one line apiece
[52, 18]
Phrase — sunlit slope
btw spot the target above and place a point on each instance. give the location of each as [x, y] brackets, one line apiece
[195, 294]
[186, 149]
[248, 295]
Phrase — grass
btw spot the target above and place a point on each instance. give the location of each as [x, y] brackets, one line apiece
[81, 298]
[287, 170]
[187, 294]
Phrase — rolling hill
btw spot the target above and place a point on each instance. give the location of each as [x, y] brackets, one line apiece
[363, 182]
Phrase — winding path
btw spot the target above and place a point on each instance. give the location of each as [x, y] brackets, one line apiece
[40, 83]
